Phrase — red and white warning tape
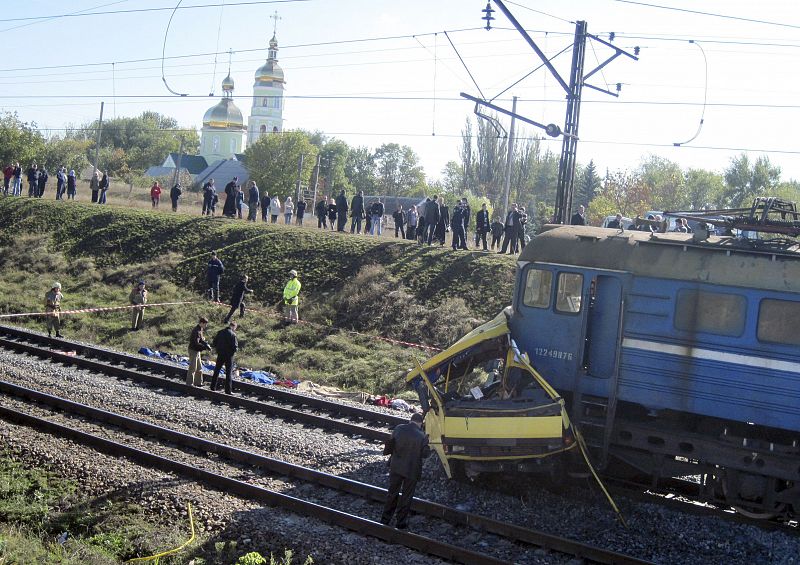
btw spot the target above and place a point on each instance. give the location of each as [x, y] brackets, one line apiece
[220, 304]
[106, 309]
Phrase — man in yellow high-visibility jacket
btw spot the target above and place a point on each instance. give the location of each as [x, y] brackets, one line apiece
[291, 294]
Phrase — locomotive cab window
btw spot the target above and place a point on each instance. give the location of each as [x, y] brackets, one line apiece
[777, 321]
[570, 292]
[538, 285]
[710, 312]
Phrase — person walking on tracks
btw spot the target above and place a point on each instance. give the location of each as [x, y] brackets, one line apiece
[138, 298]
[226, 344]
[197, 344]
[52, 305]
[291, 297]
[215, 270]
[408, 446]
[237, 298]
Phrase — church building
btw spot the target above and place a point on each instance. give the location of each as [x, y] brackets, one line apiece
[222, 135]
[266, 115]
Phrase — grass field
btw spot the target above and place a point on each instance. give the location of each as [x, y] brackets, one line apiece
[375, 286]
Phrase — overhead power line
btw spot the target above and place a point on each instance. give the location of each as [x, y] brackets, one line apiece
[255, 49]
[710, 14]
[141, 10]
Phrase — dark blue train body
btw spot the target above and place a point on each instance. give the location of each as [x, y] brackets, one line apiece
[677, 356]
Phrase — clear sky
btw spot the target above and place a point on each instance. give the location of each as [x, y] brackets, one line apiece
[404, 89]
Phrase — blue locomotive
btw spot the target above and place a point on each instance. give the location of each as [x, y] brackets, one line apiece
[677, 354]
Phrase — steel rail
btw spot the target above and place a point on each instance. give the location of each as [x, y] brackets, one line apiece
[511, 532]
[207, 394]
[249, 491]
[174, 371]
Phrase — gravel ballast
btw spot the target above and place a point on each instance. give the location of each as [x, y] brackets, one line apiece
[656, 533]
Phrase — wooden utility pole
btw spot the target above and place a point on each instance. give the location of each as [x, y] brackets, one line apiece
[316, 181]
[509, 158]
[97, 142]
[299, 177]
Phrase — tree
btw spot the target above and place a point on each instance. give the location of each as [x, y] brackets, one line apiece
[664, 179]
[71, 153]
[359, 166]
[398, 170]
[703, 188]
[145, 140]
[21, 141]
[743, 181]
[588, 184]
[273, 159]
[452, 182]
[622, 192]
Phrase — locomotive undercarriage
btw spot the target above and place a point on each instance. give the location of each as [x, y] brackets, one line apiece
[753, 469]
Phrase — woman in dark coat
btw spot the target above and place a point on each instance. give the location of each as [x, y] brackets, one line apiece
[332, 213]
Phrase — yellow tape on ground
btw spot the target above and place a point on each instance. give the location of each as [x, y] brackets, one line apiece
[158, 556]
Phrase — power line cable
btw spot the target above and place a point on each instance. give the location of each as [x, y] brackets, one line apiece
[164, 50]
[705, 100]
[710, 14]
[255, 49]
[45, 19]
[466, 68]
[83, 13]
[541, 12]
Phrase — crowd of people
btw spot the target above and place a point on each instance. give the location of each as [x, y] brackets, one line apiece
[225, 342]
[38, 176]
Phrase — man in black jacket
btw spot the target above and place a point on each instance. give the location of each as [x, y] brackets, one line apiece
[399, 217]
[466, 217]
[482, 226]
[197, 344]
[579, 217]
[457, 221]
[237, 298]
[215, 270]
[321, 210]
[226, 344]
[511, 231]
[431, 215]
[341, 211]
[408, 446]
[357, 212]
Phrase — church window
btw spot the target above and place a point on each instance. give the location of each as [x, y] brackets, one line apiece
[265, 101]
[215, 145]
[233, 146]
[276, 102]
[263, 129]
[274, 129]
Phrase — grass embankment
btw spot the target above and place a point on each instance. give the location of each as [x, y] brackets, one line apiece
[376, 286]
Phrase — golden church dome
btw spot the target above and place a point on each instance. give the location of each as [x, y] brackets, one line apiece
[227, 84]
[224, 115]
[271, 71]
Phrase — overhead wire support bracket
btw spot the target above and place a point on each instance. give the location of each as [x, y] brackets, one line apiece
[551, 129]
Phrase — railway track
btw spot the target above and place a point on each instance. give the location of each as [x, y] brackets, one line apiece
[248, 460]
[284, 404]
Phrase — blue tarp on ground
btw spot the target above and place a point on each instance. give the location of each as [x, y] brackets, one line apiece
[260, 377]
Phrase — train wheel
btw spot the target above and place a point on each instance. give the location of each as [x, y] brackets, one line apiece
[745, 494]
